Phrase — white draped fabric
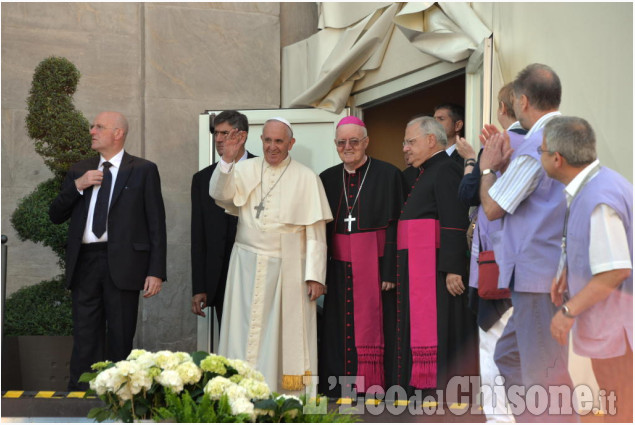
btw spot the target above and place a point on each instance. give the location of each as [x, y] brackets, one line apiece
[323, 70]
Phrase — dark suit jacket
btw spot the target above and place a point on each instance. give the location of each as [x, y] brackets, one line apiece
[136, 221]
[213, 235]
[458, 158]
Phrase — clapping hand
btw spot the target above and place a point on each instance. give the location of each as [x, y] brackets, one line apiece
[497, 151]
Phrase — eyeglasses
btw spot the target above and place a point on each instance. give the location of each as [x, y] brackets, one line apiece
[100, 127]
[540, 150]
[410, 142]
[341, 143]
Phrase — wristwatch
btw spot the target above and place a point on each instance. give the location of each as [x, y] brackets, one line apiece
[487, 171]
[566, 312]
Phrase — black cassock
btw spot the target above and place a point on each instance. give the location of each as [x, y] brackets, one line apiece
[377, 208]
[434, 195]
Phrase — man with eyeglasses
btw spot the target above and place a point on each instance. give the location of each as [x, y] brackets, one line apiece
[213, 231]
[277, 268]
[365, 196]
[436, 330]
[116, 244]
[597, 257]
[527, 249]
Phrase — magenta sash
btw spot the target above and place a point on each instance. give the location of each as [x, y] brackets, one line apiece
[421, 238]
[363, 251]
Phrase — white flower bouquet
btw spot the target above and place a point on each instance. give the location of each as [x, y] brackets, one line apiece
[179, 387]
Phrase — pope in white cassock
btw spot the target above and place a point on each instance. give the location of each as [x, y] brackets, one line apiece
[278, 265]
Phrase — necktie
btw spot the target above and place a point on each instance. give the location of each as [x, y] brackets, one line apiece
[100, 215]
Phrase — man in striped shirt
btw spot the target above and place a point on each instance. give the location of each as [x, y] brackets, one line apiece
[532, 208]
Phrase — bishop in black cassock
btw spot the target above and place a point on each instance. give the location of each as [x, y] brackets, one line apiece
[357, 332]
[436, 331]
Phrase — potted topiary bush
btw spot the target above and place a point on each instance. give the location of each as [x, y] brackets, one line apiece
[39, 317]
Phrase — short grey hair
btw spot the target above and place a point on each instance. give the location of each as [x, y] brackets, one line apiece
[571, 137]
[428, 125]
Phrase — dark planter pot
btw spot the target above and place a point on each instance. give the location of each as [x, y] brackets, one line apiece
[41, 362]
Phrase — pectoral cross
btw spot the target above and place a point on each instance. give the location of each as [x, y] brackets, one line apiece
[261, 207]
[350, 220]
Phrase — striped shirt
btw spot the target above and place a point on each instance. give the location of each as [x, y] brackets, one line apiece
[521, 177]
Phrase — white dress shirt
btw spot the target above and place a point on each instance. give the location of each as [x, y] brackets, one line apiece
[89, 236]
[608, 245]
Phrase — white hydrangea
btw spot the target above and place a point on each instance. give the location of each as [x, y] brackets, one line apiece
[241, 405]
[170, 379]
[214, 363]
[234, 391]
[189, 372]
[103, 382]
[112, 380]
[140, 380]
[166, 360]
[216, 387]
[255, 389]
[246, 370]
[134, 354]
[126, 367]
[145, 360]
[183, 356]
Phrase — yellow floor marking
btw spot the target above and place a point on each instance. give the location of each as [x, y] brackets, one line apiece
[44, 394]
[13, 394]
[458, 405]
[76, 394]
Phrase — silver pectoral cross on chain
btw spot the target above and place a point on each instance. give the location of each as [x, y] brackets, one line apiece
[259, 209]
[350, 219]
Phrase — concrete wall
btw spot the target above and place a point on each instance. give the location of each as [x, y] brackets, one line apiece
[161, 64]
[590, 46]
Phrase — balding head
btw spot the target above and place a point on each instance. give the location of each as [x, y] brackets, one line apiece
[537, 91]
[108, 133]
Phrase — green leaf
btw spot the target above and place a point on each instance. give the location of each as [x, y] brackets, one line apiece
[87, 376]
[266, 404]
[198, 356]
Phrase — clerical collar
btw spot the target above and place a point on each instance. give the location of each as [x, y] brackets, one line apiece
[358, 168]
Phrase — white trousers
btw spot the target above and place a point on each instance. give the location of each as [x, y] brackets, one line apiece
[494, 400]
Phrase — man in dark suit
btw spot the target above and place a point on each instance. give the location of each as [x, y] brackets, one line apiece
[116, 244]
[450, 116]
[213, 231]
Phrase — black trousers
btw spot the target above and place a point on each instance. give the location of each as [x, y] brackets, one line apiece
[104, 316]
